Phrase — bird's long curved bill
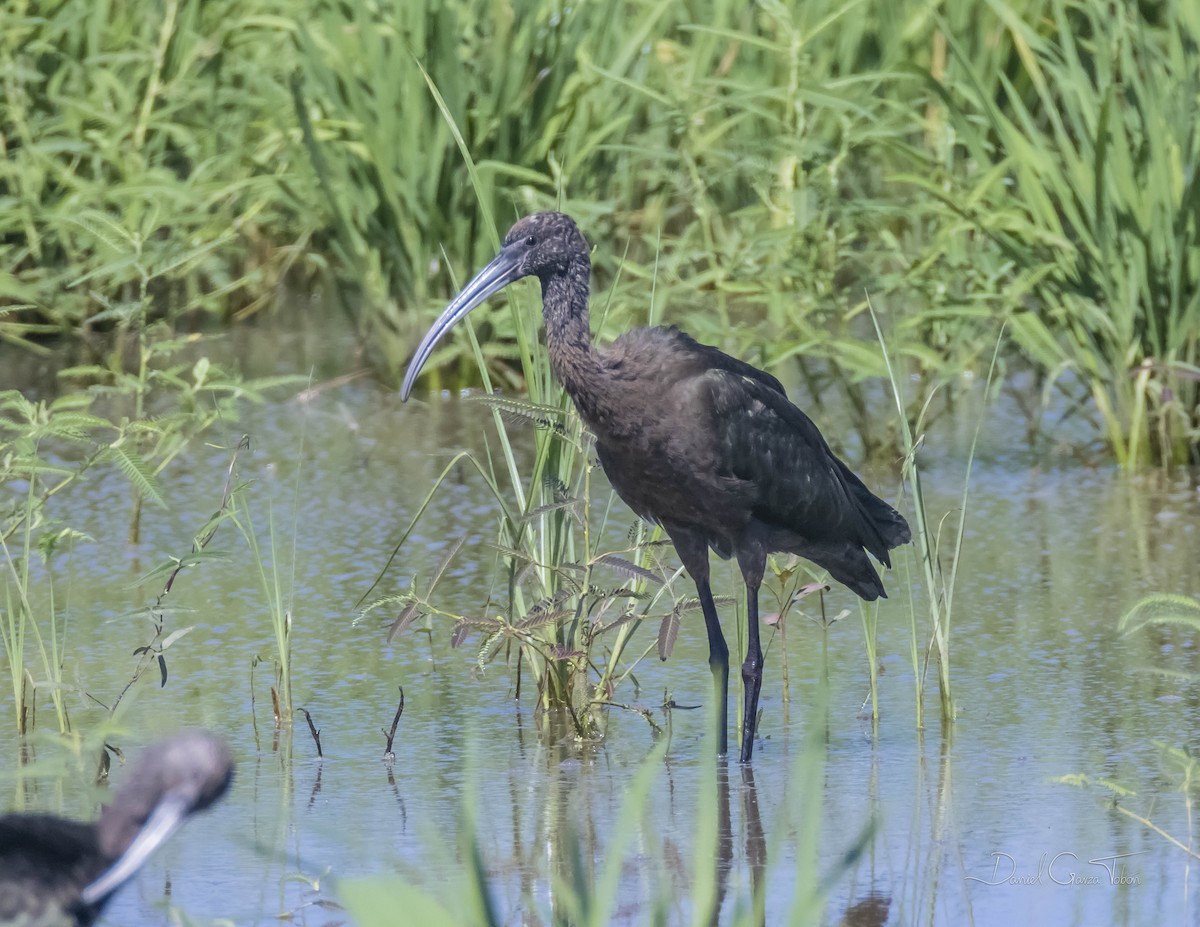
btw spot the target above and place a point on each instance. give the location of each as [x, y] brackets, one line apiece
[502, 271]
[163, 821]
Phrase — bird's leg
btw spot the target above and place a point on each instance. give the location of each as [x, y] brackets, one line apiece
[752, 563]
[751, 673]
[718, 662]
[693, 551]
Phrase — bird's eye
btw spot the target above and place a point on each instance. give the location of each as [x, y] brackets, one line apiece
[531, 240]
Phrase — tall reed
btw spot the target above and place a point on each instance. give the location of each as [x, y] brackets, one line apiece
[153, 121]
[939, 580]
[1084, 185]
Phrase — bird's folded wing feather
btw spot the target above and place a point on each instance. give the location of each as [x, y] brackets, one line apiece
[801, 485]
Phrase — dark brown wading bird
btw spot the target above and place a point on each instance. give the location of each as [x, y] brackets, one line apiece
[60, 873]
[695, 440]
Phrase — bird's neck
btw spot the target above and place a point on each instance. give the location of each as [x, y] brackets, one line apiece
[573, 357]
[121, 820]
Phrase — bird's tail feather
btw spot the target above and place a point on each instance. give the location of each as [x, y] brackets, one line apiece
[862, 579]
[893, 529]
[883, 521]
[849, 565]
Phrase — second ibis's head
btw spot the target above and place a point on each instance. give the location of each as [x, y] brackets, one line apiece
[543, 245]
[171, 780]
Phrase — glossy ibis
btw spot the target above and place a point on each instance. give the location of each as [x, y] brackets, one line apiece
[702, 443]
[57, 872]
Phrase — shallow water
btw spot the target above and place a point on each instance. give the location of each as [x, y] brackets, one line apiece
[1045, 685]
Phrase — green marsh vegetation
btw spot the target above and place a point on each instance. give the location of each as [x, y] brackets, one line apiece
[1087, 151]
[772, 167]
[137, 400]
[761, 175]
[47, 449]
[124, 123]
[566, 597]
[1169, 615]
[769, 166]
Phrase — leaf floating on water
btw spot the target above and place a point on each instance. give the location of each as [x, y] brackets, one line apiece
[667, 632]
[632, 570]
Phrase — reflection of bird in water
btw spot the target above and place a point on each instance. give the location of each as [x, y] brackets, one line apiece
[869, 911]
[755, 846]
[60, 873]
[704, 444]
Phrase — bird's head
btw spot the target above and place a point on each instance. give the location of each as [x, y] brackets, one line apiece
[169, 781]
[543, 245]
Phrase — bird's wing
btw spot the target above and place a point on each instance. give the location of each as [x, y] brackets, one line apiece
[678, 355]
[718, 360]
[40, 837]
[44, 862]
[800, 484]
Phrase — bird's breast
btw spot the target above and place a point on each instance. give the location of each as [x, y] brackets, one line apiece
[662, 483]
[653, 418]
